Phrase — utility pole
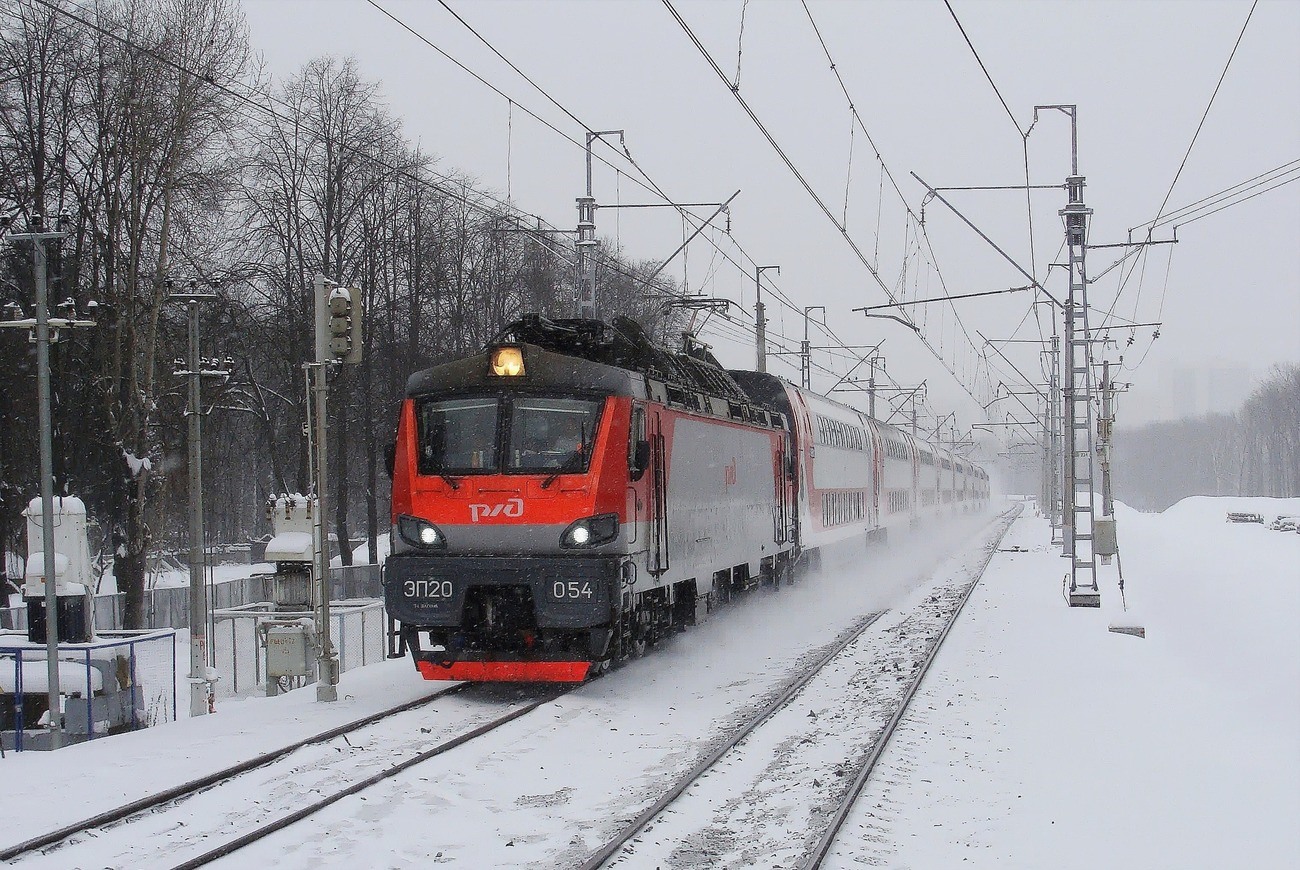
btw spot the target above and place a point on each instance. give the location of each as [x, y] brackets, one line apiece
[936, 433]
[41, 325]
[586, 243]
[1077, 517]
[1106, 543]
[1056, 505]
[910, 397]
[1105, 424]
[195, 368]
[760, 317]
[805, 349]
[1047, 467]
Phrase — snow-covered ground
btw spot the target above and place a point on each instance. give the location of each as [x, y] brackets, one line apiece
[1039, 740]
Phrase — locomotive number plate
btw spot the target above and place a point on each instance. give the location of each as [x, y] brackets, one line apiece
[428, 588]
[572, 589]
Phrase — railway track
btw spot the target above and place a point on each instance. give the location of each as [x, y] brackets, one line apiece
[156, 811]
[827, 840]
[719, 843]
[190, 827]
[194, 786]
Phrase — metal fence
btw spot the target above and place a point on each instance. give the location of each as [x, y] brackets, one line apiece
[108, 615]
[358, 628]
[120, 682]
[126, 680]
[170, 607]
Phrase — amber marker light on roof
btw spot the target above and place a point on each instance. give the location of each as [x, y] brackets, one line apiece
[508, 362]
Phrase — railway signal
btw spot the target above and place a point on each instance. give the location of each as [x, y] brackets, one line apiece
[338, 340]
[345, 324]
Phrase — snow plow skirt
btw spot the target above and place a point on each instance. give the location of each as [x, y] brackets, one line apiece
[506, 672]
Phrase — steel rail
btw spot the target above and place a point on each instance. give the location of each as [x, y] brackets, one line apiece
[635, 827]
[194, 786]
[311, 809]
[822, 849]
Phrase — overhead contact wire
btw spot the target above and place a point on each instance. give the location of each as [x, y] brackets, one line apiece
[803, 181]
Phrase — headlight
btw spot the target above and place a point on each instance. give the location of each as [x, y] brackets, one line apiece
[420, 534]
[590, 532]
[508, 361]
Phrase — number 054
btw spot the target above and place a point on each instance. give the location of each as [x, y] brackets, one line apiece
[572, 589]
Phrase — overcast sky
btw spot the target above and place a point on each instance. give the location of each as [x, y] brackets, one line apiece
[1141, 74]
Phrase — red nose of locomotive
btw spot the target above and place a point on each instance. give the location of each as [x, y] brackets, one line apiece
[508, 526]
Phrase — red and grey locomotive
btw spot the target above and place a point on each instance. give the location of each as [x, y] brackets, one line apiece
[575, 492]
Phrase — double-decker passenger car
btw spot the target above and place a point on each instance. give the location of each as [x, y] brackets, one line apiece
[858, 477]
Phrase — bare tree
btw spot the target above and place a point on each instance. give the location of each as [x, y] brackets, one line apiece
[138, 132]
[115, 128]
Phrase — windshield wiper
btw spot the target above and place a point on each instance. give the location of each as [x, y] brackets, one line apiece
[573, 463]
[451, 481]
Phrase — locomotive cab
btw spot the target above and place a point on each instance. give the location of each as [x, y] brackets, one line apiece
[511, 480]
[574, 494]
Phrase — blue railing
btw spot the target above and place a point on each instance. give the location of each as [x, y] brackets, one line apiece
[119, 704]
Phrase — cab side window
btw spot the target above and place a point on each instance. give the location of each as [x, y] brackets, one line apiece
[638, 453]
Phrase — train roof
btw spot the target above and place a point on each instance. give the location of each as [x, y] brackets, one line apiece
[616, 357]
[622, 343]
[771, 390]
[545, 369]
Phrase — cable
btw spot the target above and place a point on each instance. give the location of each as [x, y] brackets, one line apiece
[848, 181]
[1206, 113]
[980, 61]
[740, 40]
[572, 117]
[1189, 214]
[804, 182]
[1289, 166]
[775, 291]
[835, 70]
[933, 260]
[271, 112]
[1239, 201]
[397, 171]
[1224, 199]
[648, 185]
[501, 206]
[1024, 138]
[1227, 193]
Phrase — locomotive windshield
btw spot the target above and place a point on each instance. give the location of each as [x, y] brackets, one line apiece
[464, 436]
[458, 435]
[551, 433]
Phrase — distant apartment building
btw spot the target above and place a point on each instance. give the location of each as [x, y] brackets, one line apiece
[1192, 391]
